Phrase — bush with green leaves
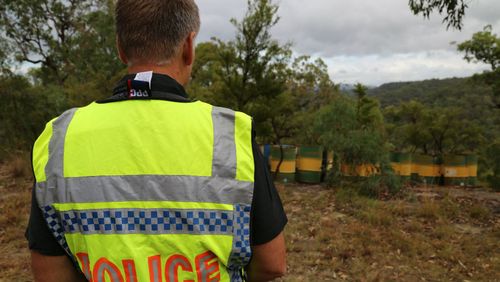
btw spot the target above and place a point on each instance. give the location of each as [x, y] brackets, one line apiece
[354, 130]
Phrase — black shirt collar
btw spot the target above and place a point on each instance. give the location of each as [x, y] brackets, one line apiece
[163, 87]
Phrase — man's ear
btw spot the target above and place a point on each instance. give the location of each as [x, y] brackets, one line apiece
[188, 49]
[121, 54]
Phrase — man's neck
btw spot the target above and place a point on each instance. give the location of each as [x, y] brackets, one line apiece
[170, 70]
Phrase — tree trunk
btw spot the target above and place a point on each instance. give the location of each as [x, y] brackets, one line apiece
[281, 160]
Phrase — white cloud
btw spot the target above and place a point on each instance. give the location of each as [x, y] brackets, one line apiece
[374, 70]
[373, 41]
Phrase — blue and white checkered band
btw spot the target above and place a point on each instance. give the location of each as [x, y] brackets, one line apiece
[242, 251]
[159, 221]
[148, 221]
[54, 223]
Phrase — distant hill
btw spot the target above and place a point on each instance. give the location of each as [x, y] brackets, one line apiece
[434, 92]
[472, 97]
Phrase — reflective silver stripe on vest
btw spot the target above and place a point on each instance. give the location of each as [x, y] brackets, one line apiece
[224, 153]
[101, 267]
[206, 268]
[54, 173]
[54, 170]
[145, 188]
[155, 267]
[174, 264]
[148, 221]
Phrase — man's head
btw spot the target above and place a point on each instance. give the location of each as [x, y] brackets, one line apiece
[157, 33]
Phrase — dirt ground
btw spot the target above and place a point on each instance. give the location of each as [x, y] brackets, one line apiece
[15, 199]
[428, 234]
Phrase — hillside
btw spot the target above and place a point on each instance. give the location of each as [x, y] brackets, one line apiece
[470, 97]
[456, 92]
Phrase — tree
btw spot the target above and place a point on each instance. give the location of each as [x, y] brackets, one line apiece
[24, 111]
[334, 124]
[433, 131]
[368, 110]
[408, 128]
[454, 9]
[205, 80]
[71, 45]
[253, 65]
[351, 129]
[43, 31]
[310, 82]
[70, 40]
[311, 88]
[485, 47]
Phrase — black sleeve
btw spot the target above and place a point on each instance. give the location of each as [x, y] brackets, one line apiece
[39, 237]
[268, 217]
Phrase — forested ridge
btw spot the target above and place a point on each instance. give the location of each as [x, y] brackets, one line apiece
[469, 97]
[434, 92]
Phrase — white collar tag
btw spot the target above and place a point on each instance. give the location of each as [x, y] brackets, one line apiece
[144, 76]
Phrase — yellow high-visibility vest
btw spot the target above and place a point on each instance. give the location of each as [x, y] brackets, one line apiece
[149, 190]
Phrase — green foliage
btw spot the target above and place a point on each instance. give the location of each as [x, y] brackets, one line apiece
[454, 9]
[335, 122]
[406, 127]
[354, 130]
[310, 82]
[492, 79]
[253, 65]
[438, 117]
[44, 32]
[24, 110]
[353, 134]
[471, 97]
[309, 88]
[485, 47]
[492, 161]
[432, 131]
[72, 47]
[379, 185]
[72, 41]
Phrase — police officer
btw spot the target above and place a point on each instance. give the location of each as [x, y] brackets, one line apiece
[148, 185]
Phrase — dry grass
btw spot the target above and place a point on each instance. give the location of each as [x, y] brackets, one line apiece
[15, 200]
[331, 236]
[435, 237]
[18, 166]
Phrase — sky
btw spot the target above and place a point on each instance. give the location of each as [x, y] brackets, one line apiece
[366, 41]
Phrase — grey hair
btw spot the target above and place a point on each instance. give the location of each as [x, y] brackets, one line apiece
[151, 31]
